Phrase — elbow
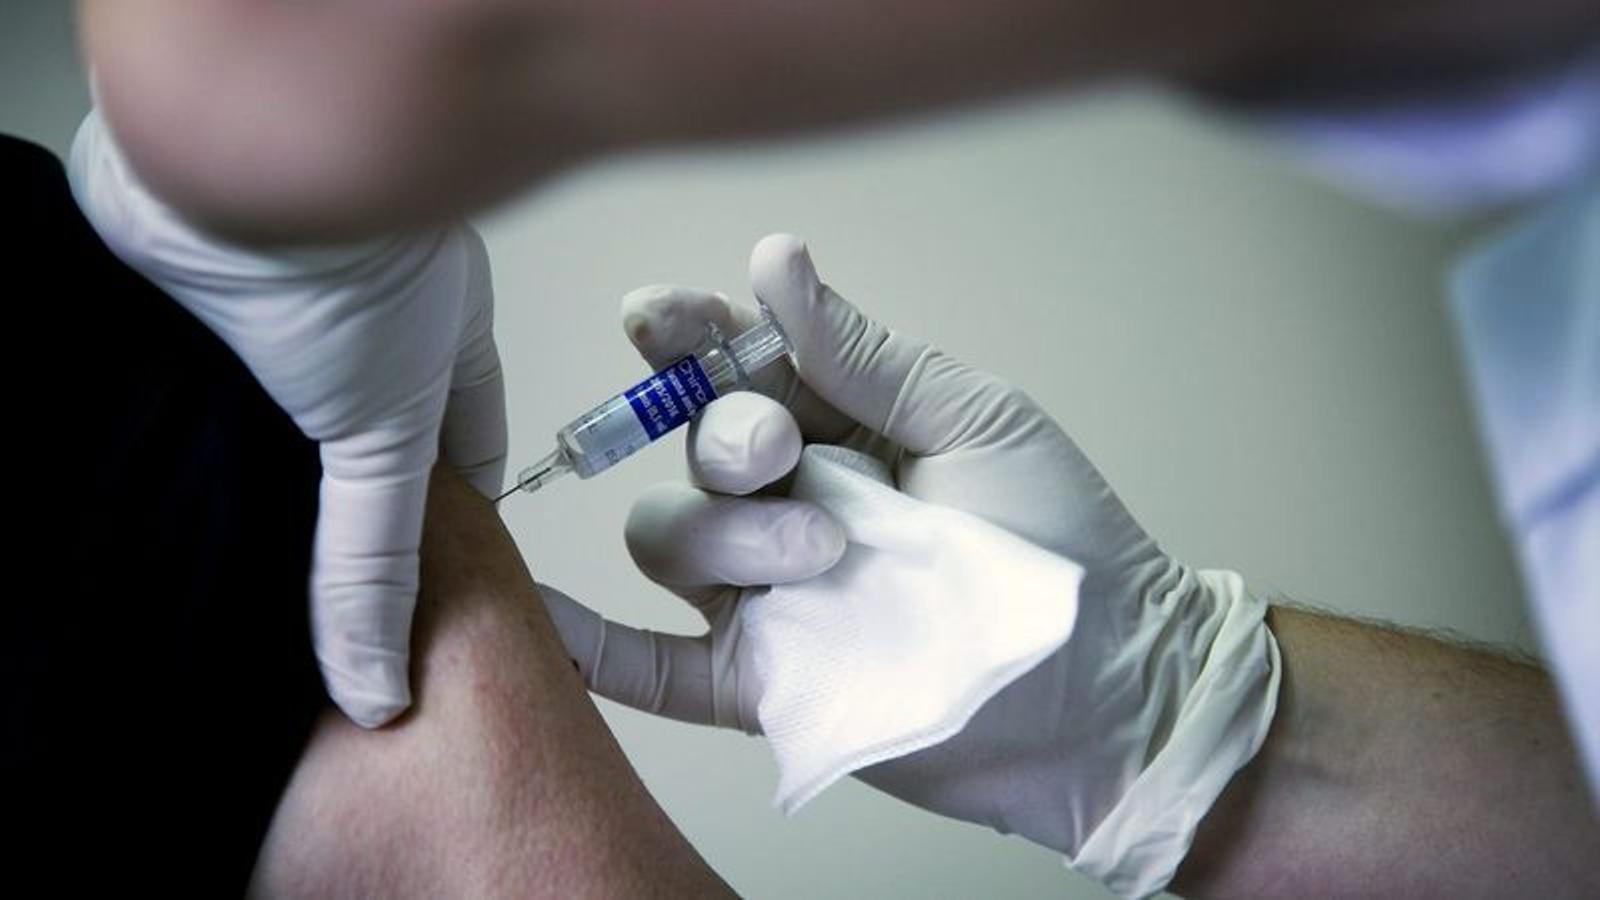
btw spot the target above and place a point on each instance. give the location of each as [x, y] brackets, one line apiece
[262, 125]
[275, 123]
[231, 176]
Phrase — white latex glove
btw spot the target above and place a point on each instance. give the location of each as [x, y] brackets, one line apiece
[1111, 749]
[370, 348]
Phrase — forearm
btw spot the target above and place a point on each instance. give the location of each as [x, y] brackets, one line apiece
[1400, 765]
[296, 121]
[501, 781]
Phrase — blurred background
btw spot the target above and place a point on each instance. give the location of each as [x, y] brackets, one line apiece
[1259, 364]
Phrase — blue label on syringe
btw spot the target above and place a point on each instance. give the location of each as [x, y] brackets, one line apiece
[671, 396]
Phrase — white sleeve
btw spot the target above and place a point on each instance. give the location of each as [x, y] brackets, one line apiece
[1527, 310]
[1511, 141]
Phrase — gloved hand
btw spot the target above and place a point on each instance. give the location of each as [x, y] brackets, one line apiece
[369, 348]
[1111, 749]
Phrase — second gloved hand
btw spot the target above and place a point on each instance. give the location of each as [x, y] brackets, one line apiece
[382, 352]
[1110, 750]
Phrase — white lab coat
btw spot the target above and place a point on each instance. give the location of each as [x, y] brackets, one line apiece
[1527, 308]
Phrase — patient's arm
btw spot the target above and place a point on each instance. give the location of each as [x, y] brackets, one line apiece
[501, 780]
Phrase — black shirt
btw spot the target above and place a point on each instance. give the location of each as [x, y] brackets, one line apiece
[157, 624]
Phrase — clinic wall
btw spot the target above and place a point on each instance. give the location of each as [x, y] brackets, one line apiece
[1259, 365]
[43, 91]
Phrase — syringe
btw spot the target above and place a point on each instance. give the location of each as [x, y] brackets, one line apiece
[612, 431]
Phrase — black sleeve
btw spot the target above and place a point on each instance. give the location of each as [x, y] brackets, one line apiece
[164, 684]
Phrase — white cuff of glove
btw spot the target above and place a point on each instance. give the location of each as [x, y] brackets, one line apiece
[1136, 848]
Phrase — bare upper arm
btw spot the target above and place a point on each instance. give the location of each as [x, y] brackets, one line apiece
[501, 780]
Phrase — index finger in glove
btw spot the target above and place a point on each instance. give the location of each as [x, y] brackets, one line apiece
[696, 544]
[691, 679]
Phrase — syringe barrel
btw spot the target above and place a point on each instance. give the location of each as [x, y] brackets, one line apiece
[617, 428]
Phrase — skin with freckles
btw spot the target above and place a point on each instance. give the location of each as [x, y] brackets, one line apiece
[501, 780]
